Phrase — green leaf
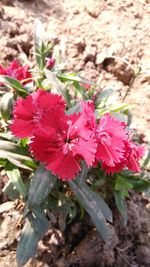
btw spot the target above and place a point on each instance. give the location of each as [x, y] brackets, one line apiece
[39, 37]
[103, 95]
[19, 164]
[113, 108]
[15, 84]
[11, 191]
[39, 222]
[92, 207]
[74, 78]
[8, 146]
[39, 34]
[54, 82]
[8, 136]
[121, 206]
[93, 204]
[35, 228]
[123, 185]
[27, 245]
[14, 176]
[147, 160]
[41, 185]
[6, 104]
[139, 183]
[2, 162]
[16, 154]
[81, 90]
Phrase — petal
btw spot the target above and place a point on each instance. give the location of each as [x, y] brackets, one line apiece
[24, 108]
[116, 168]
[22, 128]
[108, 154]
[86, 149]
[65, 166]
[49, 100]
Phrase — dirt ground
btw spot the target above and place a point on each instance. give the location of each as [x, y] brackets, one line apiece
[88, 33]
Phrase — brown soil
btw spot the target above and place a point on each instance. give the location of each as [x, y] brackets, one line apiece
[88, 33]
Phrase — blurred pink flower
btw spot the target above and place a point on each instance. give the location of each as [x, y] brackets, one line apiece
[16, 71]
[50, 63]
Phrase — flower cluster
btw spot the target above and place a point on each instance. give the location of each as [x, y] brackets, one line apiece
[62, 141]
[16, 71]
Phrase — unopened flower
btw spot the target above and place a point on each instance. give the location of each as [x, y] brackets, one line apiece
[50, 63]
[28, 113]
[86, 85]
[16, 71]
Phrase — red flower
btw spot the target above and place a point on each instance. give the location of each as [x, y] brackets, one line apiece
[16, 71]
[88, 112]
[111, 135]
[132, 154]
[86, 85]
[66, 143]
[28, 113]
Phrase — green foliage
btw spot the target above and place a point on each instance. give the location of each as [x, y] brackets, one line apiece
[41, 185]
[15, 84]
[6, 104]
[92, 203]
[34, 229]
[14, 176]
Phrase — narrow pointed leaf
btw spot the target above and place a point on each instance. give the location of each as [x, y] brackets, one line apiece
[74, 78]
[54, 82]
[6, 104]
[35, 228]
[27, 245]
[39, 34]
[11, 191]
[39, 222]
[14, 176]
[92, 206]
[41, 185]
[15, 84]
[121, 206]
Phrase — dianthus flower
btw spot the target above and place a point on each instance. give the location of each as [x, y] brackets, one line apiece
[111, 137]
[65, 144]
[132, 154]
[28, 113]
[115, 150]
[16, 71]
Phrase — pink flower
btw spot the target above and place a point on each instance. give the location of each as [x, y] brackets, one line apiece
[111, 137]
[88, 112]
[16, 71]
[86, 85]
[50, 63]
[28, 113]
[67, 142]
[132, 154]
